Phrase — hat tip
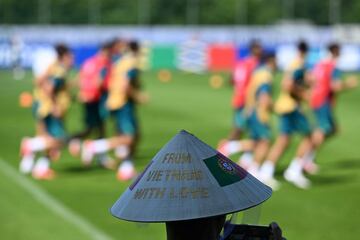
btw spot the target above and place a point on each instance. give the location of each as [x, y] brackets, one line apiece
[184, 131]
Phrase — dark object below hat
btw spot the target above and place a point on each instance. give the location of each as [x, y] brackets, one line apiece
[252, 232]
[197, 229]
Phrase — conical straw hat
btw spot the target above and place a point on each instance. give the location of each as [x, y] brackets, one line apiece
[187, 179]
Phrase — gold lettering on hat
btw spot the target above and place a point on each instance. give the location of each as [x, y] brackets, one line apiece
[149, 193]
[177, 158]
[174, 175]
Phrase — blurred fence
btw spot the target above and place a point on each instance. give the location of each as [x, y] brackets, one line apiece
[189, 48]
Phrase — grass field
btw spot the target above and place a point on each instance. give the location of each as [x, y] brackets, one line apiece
[329, 210]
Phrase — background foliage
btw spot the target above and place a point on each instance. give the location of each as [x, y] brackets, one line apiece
[154, 12]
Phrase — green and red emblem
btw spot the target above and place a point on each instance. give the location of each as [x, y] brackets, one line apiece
[224, 170]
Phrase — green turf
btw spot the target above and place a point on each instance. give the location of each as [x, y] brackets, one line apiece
[22, 217]
[329, 210]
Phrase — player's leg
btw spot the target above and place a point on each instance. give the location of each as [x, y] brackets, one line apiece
[128, 127]
[260, 135]
[95, 120]
[134, 119]
[124, 137]
[42, 169]
[103, 158]
[91, 148]
[246, 146]
[278, 148]
[325, 127]
[37, 144]
[33, 145]
[235, 133]
[91, 121]
[267, 170]
[308, 158]
[29, 146]
[232, 145]
[235, 146]
[54, 142]
[260, 150]
[27, 157]
[294, 173]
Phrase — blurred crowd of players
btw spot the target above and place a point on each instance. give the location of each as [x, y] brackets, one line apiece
[315, 86]
[108, 86]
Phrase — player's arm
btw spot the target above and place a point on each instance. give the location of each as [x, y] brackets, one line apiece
[44, 83]
[264, 102]
[264, 106]
[133, 75]
[337, 85]
[136, 94]
[309, 80]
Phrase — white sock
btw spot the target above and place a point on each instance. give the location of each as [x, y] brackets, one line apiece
[42, 165]
[36, 144]
[247, 158]
[101, 145]
[233, 146]
[27, 163]
[267, 170]
[309, 157]
[122, 151]
[254, 169]
[126, 165]
[295, 166]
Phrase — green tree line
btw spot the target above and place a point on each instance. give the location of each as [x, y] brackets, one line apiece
[177, 12]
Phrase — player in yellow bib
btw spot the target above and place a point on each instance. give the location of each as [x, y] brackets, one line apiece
[258, 113]
[258, 109]
[291, 120]
[52, 101]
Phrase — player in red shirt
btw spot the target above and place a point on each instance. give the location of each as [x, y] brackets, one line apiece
[241, 78]
[326, 85]
[92, 76]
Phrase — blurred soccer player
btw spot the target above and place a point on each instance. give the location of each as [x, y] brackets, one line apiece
[241, 78]
[52, 102]
[326, 84]
[91, 79]
[122, 93]
[117, 47]
[292, 120]
[136, 95]
[258, 108]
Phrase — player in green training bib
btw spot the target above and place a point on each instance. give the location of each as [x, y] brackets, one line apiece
[292, 120]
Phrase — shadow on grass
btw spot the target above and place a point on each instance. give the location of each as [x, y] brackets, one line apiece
[324, 179]
[347, 163]
[279, 172]
[82, 169]
[331, 179]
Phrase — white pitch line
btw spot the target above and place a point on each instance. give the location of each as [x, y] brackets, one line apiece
[51, 203]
